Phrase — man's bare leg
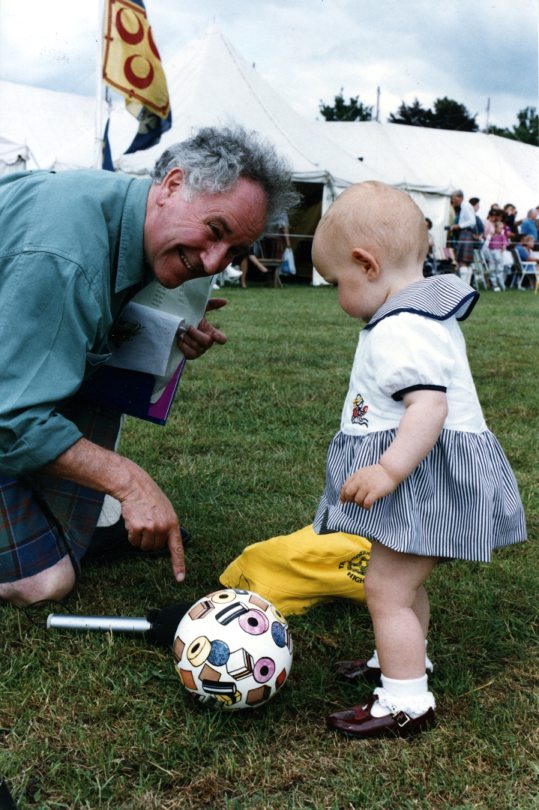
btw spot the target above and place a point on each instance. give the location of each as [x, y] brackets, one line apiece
[53, 583]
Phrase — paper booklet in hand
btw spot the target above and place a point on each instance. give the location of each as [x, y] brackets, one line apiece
[141, 376]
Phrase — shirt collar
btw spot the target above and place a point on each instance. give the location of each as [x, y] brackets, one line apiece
[437, 297]
[131, 262]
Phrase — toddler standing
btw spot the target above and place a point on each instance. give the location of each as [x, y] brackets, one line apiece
[414, 467]
[496, 244]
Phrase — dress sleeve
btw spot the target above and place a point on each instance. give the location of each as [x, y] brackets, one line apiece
[412, 353]
[49, 323]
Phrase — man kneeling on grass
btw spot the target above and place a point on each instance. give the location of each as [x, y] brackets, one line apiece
[74, 248]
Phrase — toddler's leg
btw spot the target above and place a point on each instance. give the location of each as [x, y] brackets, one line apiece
[369, 669]
[499, 270]
[421, 608]
[399, 608]
[493, 271]
[501, 273]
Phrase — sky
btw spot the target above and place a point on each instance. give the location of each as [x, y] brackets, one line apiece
[481, 53]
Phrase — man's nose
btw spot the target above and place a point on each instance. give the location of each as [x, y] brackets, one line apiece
[215, 258]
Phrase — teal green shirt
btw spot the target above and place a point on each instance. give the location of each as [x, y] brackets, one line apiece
[71, 245]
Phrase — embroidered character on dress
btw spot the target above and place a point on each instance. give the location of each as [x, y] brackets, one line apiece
[359, 410]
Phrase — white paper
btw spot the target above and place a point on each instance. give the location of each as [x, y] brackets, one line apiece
[161, 312]
[143, 339]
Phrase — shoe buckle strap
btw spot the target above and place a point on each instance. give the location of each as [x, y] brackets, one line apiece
[402, 719]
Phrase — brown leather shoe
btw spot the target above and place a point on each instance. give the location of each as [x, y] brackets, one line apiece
[358, 669]
[358, 722]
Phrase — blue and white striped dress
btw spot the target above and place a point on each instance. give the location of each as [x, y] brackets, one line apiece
[462, 500]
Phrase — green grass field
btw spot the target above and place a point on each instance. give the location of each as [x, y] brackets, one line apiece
[98, 721]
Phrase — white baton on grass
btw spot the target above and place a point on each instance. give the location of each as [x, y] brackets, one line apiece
[106, 624]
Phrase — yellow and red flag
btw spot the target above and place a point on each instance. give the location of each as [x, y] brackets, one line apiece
[132, 66]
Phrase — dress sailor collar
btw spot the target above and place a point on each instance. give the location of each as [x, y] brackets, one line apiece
[437, 297]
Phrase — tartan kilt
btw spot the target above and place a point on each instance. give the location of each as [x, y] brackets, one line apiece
[465, 246]
[42, 517]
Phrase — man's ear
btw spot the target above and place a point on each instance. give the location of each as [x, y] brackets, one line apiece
[368, 262]
[171, 183]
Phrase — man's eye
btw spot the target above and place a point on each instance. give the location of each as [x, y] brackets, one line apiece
[216, 231]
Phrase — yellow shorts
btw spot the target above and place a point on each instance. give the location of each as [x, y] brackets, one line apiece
[299, 570]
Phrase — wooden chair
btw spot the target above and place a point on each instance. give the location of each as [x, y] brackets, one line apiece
[271, 250]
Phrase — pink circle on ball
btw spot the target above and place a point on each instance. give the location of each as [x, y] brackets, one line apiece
[263, 670]
[254, 622]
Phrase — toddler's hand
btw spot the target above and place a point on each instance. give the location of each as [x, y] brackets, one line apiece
[367, 485]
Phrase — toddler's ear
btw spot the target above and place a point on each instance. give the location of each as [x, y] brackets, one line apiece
[367, 261]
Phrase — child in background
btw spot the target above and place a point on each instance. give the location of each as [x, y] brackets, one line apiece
[413, 468]
[496, 244]
[525, 248]
[529, 261]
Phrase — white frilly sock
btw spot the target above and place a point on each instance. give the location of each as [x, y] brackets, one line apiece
[411, 696]
[374, 662]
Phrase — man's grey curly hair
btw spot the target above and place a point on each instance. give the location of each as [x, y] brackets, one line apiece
[213, 159]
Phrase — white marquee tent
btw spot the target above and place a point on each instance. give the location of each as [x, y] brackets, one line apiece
[210, 83]
[430, 163]
[58, 128]
[13, 156]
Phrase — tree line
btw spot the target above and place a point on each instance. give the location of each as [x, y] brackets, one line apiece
[446, 113]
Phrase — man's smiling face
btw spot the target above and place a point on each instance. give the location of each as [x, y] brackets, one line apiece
[189, 237]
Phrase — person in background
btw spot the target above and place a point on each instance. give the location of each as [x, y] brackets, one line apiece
[509, 219]
[497, 245]
[494, 216]
[251, 257]
[429, 265]
[525, 248]
[479, 224]
[463, 230]
[528, 226]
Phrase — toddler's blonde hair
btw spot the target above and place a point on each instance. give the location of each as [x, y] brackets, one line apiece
[379, 218]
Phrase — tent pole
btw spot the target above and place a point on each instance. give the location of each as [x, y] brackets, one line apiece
[98, 151]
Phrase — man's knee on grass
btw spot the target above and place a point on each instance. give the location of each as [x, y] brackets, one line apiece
[54, 583]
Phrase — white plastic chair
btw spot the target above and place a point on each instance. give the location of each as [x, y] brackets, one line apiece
[480, 269]
[522, 270]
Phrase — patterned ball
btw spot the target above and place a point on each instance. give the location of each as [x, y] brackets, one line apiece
[233, 650]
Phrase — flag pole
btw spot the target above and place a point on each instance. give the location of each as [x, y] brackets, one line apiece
[98, 148]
